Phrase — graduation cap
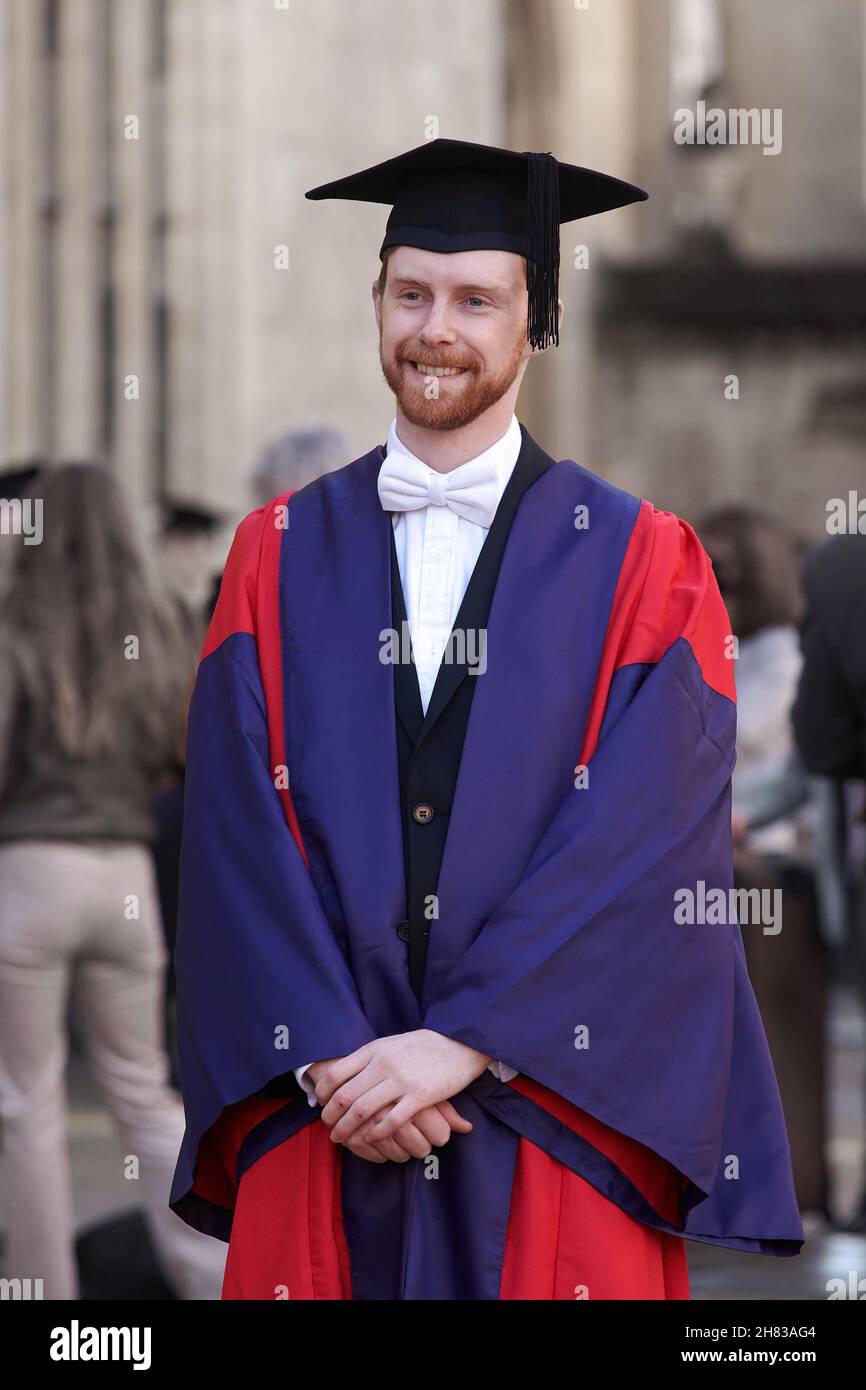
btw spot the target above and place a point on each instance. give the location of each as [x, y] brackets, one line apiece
[188, 521]
[16, 482]
[452, 195]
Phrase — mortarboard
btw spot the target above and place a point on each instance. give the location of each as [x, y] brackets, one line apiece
[17, 481]
[452, 195]
[188, 521]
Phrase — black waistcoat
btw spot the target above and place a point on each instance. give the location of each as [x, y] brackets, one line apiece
[429, 748]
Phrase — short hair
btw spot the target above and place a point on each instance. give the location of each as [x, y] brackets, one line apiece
[383, 273]
[766, 579]
[297, 457]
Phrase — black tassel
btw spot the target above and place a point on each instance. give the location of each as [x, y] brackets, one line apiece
[542, 262]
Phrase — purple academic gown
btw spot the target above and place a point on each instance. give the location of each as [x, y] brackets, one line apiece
[586, 931]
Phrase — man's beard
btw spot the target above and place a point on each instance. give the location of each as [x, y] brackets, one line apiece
[457, 404]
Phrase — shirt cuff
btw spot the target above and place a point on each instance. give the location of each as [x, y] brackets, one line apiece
[306, 1083]
[502, 1071]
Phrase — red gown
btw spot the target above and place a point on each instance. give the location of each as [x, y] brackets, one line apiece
[565, 1239]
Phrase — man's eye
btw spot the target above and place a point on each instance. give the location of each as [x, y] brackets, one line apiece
[406, 293]
[477, 299]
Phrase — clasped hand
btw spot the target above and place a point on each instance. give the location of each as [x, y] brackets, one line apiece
[391, 1098]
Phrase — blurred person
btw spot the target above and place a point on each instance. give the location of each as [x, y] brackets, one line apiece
[92, 683]
[829, 712]
[15, 518]
[758, 570]
[185, 558]
[289, 462]
[296, 458]
[786, 791]
[523, 1071]
[185, 548]
[756, 565]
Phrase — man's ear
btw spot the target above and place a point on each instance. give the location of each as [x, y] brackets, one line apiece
[377, 304]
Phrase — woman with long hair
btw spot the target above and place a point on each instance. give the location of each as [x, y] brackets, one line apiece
[93, 685]
[758, 569]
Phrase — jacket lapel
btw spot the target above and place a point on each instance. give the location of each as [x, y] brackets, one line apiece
[341, 736]
[544, 638]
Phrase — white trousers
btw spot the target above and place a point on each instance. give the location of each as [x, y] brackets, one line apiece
[85, 918]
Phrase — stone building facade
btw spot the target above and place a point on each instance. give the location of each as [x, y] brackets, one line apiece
[171, 302]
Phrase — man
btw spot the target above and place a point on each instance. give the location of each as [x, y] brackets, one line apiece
[829, 718]
[829, 713]
[462, 734]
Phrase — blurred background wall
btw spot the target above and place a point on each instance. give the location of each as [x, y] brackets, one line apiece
[171, 301]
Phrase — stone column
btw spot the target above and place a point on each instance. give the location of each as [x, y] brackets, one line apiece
[25, 416]
[82, 187]
[572, 91]
[135, 139]
[204, 155]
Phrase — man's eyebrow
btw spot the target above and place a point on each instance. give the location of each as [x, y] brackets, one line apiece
[489, 288]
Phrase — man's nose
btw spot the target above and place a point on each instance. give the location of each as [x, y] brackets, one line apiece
[437, 326]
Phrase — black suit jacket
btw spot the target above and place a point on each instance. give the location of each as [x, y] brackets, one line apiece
[429, 748]
[829, 712]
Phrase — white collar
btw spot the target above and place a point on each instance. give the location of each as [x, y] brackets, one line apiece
[503, 453]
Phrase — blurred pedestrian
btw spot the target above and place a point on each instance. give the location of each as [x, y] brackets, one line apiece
[298, 457]
[829, 715]
[92, 682]
[758, 570]
[185, 556]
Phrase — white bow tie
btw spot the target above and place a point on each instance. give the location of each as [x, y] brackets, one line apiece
[471, 490]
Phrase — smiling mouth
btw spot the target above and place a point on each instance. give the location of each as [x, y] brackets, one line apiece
[425, 370]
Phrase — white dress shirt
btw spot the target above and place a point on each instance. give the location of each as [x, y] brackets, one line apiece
[437, 551]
